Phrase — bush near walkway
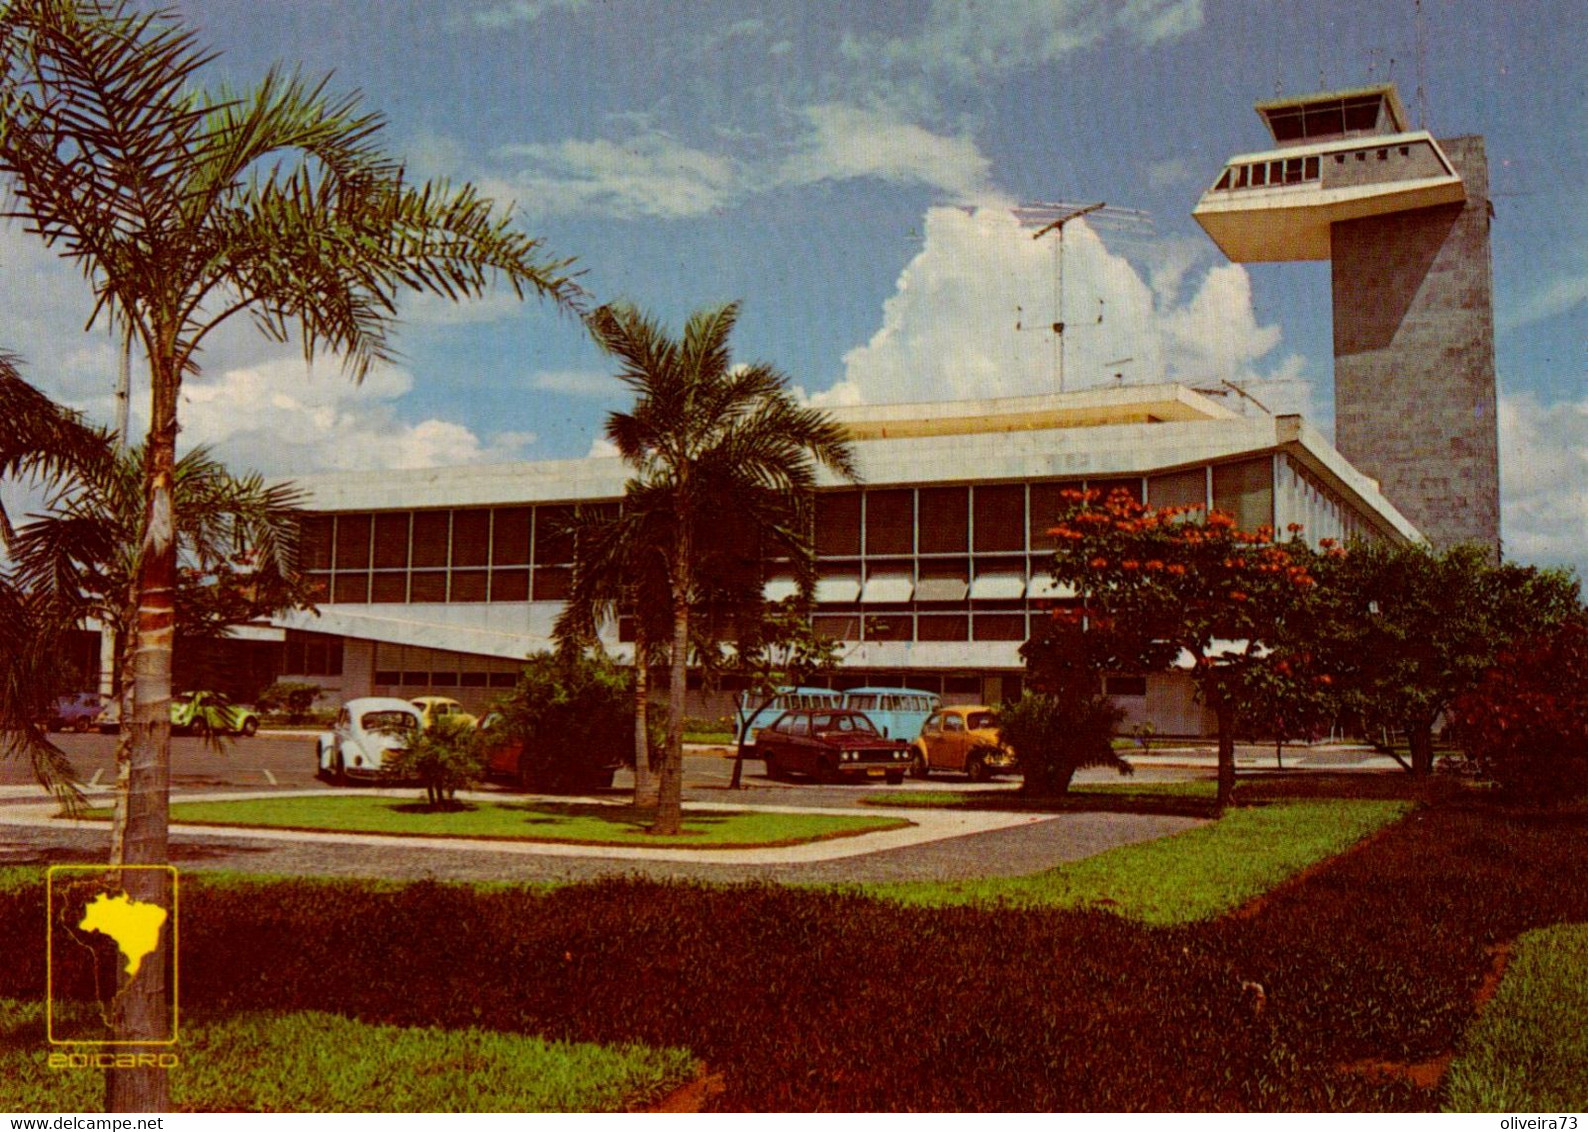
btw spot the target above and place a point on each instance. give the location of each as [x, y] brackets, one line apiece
[809, 1000]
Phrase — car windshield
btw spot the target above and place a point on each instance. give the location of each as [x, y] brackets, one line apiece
[387, 721]
[982, 721]
[842, 723]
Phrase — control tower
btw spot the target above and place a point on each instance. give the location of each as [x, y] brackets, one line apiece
[1404, 220]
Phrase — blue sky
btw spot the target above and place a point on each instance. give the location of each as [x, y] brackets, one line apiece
[846, 172]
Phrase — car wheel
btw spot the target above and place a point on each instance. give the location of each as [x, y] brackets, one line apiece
[83, 725]
[339, 774]
[773, 771]
[200, 727]
[895, 777]
[250, 727]
[976, 768]
[918, 766]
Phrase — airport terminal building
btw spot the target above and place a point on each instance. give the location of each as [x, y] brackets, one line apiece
[931, 568]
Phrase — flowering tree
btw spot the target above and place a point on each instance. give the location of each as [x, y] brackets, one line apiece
[1160, 586]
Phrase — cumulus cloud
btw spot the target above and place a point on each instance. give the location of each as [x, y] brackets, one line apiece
[1556, 297]
[278, 418]
[972, 316]
[576, 383]
[1544, 467]
[849, 142]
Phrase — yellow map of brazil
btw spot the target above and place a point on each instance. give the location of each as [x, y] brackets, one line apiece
[132, 924]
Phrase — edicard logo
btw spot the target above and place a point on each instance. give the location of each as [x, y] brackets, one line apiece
[106, 927]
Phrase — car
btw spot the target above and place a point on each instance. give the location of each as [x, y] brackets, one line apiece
[76, 712]
[508, 759]
[963, 738]
[432, 708]
[209, 713]
[830, 744]
[366, 732]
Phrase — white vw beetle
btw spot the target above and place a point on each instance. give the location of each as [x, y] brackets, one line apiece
[364, 732]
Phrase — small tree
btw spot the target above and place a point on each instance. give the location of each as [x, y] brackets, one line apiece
[574, 713]
[444, 758]
[1525, 720]
[1053, 737]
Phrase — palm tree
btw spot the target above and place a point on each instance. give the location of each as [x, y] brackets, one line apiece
[184, 209]
[40, 442]
[719, 452]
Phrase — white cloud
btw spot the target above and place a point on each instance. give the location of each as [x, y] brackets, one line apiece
[576, 383]
[1555, 298]
[510, 13]
[1544, 480]
[646, 174]
[969, 42]
[848, 142]
[602, 447]
[972, 316]
[279, 418]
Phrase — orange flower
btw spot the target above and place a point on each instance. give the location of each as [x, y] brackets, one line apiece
[1098, 563]
[1129, 564]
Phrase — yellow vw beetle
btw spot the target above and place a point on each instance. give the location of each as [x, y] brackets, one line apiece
[963, 738]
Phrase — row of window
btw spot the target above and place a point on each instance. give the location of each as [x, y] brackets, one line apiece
[1293, 170]
[935, 537]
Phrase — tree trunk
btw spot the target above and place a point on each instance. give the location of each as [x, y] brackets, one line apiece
[1420, 738]
[670, 788]
[644, 786]
[141, 1012]
[1226, 718]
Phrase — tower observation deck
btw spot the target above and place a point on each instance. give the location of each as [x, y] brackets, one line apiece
[1404, 219]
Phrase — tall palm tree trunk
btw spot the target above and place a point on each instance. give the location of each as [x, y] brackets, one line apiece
[670, 788]
[644, 786]
[141, 1012]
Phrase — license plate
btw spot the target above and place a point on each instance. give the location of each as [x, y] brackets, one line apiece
[876, 772]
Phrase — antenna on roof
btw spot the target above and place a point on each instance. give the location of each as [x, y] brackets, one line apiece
[1422, 95]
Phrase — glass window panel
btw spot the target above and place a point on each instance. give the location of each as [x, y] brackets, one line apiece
[510, 543]
[942, 588]
[1045, 507]
[1000, 627]
[427, 586]
[352, 542]
[1325, 121]
[1001, 517]
[443, 679]
[1260, 174]
[504, 679]
[1285, 124]
[1179, 489]
[350, 588]
[320, 586]
[391, 587]
[945, 520]
[889, 627]
[1362, 113]
[838, 523]
[939, 627]
[388, 676]
[431, 534]
[468, 585]
[416, 679]
[509, 585]
[553, 539]
[837, 627]
[890, 522]
[471, 537]
[552, 583]
[314, 542]
[1312, 169]
[841, 588]
[1246, 491]
[391, 540]
[474, 679]
[887, 589]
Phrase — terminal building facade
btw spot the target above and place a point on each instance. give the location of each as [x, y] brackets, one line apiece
[931, 568]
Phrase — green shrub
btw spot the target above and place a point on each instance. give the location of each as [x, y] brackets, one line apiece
[443, 758]
[575, 717]
[290, 698]
[1053, 737]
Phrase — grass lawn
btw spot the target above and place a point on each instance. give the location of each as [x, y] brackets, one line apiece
[1078, 798]
[1528, 1052]
[715, 738]
[581, 823]
[1195, 875]
[314, 1062]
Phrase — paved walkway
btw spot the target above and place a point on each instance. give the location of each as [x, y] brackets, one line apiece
[942, 844]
